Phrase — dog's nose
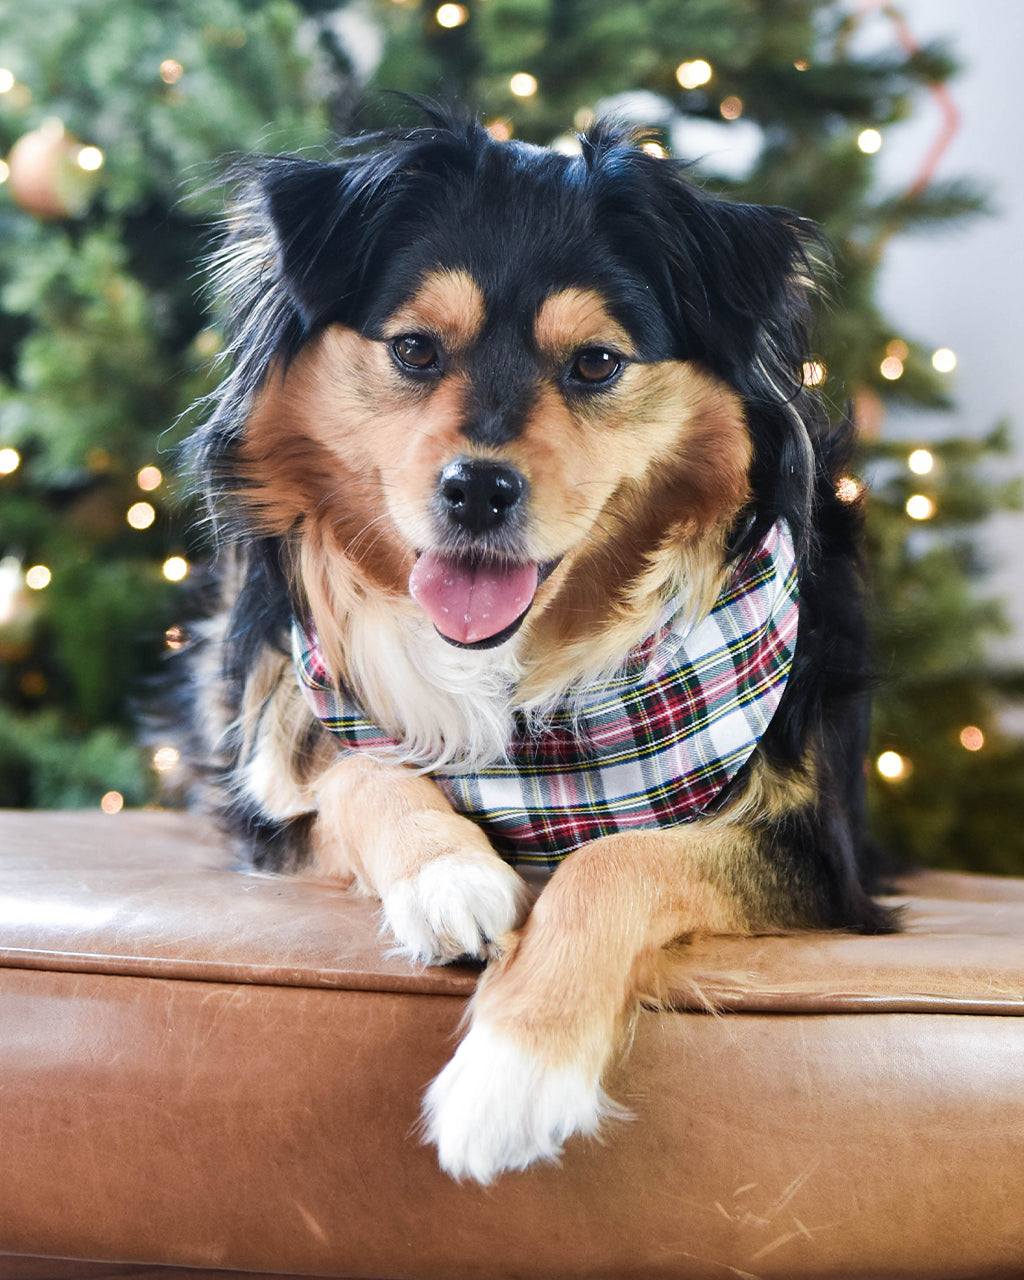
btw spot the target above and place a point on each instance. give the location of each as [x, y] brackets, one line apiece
[480, 496]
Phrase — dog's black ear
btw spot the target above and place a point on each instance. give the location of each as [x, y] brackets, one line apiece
[744, 292]
[314, 210]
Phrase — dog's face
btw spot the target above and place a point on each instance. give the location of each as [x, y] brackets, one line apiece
[512, 380]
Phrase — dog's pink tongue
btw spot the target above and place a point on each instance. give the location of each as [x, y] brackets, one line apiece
[470, 601]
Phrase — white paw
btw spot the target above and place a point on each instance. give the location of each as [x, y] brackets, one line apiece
[455, 907]
[496, 1107]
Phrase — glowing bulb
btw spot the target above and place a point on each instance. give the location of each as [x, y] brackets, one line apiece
[802, 64]
[891, 368]
[972, 738]
[814, 373]
[141, 515]
[5, 170]
[691, 75]
[891, 765]
[171, 71]
[90, 159]
[500, 130]
[6, 80]
[944, 360]
[165, 758]
[731, 108]
[112, 802]
[898, 348]
[869, 141]
[655, 149]
[175, 637]
[452, 15]
[10, 460]
[175, 568]
[38, 577]
[920, 507]
[149, 478]
[921, 462]
[523, 85]
[848, 489]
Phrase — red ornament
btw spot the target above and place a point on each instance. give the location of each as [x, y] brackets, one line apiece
[47, 177]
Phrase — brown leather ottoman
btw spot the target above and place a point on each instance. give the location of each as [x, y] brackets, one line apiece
[204, 1070]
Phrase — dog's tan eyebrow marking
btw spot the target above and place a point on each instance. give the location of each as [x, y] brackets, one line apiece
[449, 305]
[577, 318]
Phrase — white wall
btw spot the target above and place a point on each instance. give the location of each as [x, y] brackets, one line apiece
[964, 287]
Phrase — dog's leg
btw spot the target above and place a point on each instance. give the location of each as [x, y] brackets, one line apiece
[550, 1013]
[444, 892]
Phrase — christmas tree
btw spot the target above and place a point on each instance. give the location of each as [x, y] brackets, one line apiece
[103, 343]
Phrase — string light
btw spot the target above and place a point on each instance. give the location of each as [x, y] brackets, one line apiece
[112, 802]
[920, 507]
[892, 766]
[691, 75]
[141, 515]
[972, 738]
[848, 489]
[944, 360]
[523, 85]
[921, 462]
[801, 64]
[5, 171]
[175, 568]
[6, 80]
[814, 373]
[165, 758]
[898, 348]
[452, 15]
[500, 130]
[38, 577]
[90, 159]
[149, 478]
[653, 148]
[731, 108]
[869, 141]
[10, 585]
[208, 342]
[171, 71]
[175, 637]
[10, 460]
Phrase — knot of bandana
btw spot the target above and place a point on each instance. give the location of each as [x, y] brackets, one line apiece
[651, 747]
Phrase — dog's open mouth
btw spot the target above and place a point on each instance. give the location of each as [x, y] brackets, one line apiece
[474, 601]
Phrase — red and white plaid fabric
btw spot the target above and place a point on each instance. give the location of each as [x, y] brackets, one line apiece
[652, 747]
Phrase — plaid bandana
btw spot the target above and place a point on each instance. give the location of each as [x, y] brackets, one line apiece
[651, 747]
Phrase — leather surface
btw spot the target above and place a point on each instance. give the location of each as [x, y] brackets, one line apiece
[155, 893]
[22, 1268]
[264, 1128]
[266, 1123]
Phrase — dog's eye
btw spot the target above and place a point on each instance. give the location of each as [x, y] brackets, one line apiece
[416, 351]
[595, 365]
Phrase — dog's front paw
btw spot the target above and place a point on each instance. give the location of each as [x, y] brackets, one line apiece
[496, 1107]
[455, 906]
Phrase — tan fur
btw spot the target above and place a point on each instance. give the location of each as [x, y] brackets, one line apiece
[574, 974]
[577, 318]
[448, 305]
[638, 490]
[378, 824]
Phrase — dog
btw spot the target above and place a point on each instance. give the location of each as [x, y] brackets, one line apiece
[541, 617]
